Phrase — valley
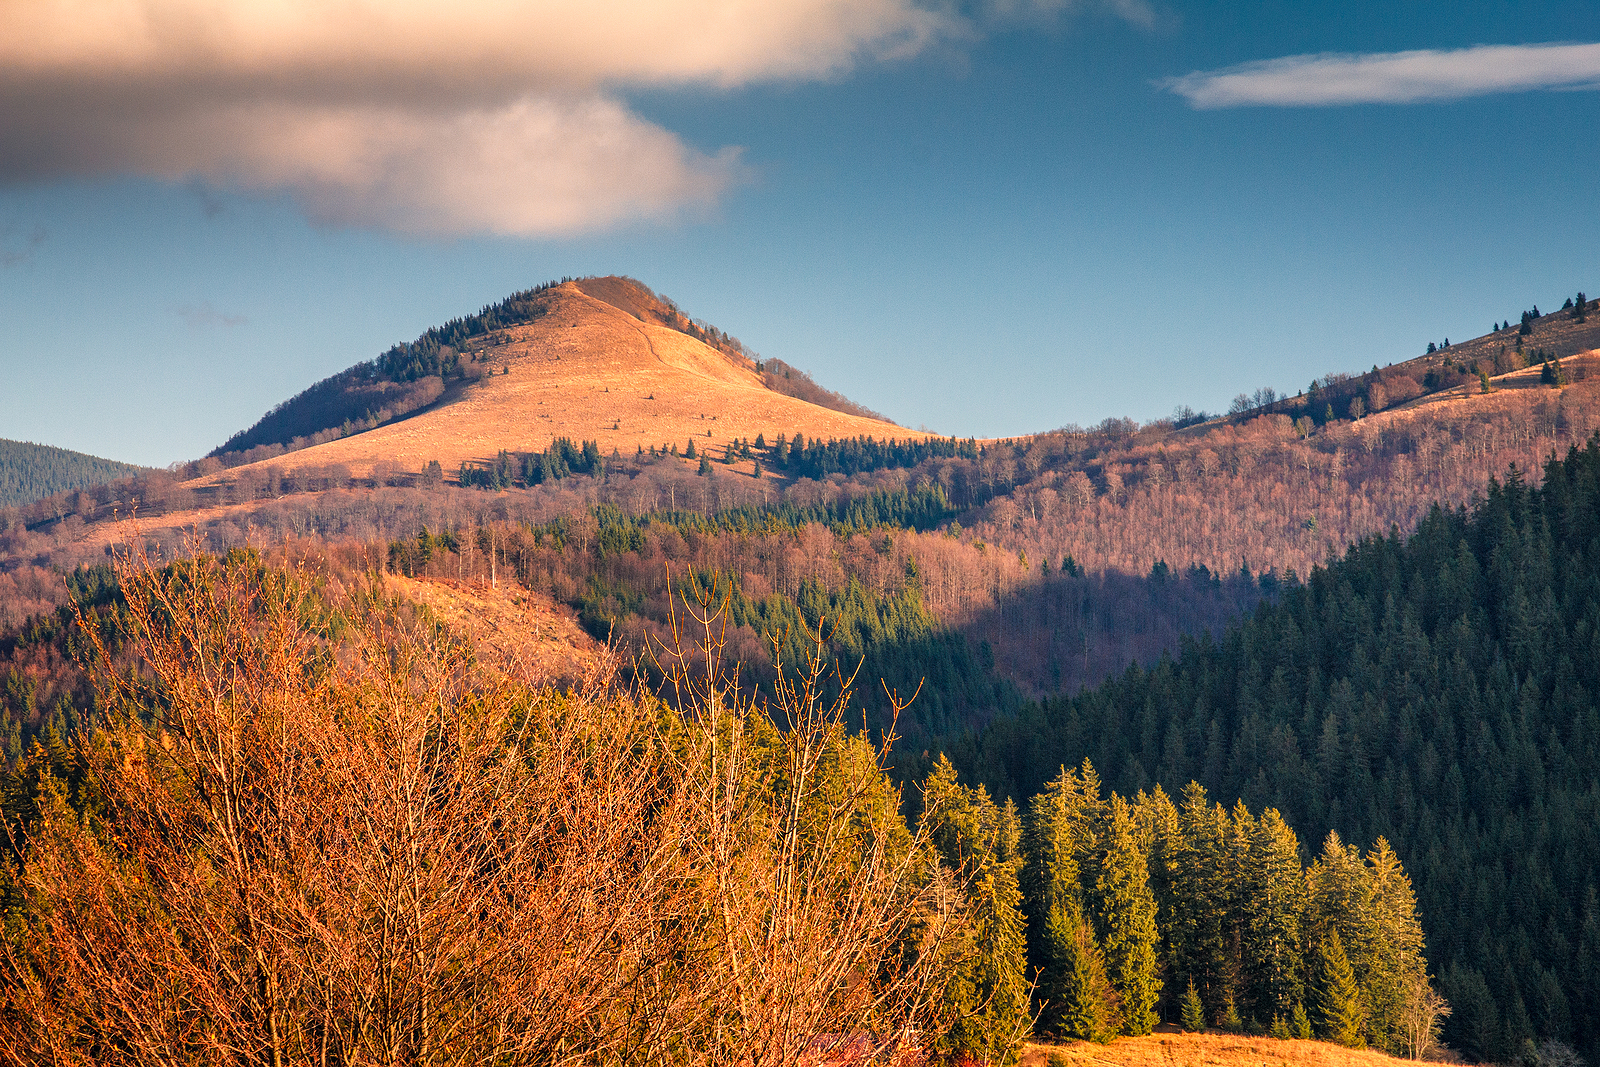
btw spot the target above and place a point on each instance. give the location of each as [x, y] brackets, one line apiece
[1362, 608]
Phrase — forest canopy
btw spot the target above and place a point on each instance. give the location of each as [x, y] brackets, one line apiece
[30, 472]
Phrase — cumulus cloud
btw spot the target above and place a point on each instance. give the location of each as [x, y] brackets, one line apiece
[421, 116]
[432, 117]
[1331, 79]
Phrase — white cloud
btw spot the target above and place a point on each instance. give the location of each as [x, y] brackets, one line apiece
[431, 117]
[1331, 79]
[420, 116]
[537, 166]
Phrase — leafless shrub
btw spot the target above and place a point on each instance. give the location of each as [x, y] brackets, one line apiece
[328, 832]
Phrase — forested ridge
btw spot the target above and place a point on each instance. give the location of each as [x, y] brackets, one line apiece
[371, 393]
[1435, 689]
[259, 705]
[411, 375]
[1441, 691]
[30, 472]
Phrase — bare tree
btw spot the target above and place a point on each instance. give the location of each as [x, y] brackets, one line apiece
[328, 832]
[1422, 1014]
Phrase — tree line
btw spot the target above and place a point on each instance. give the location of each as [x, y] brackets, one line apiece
[30, 472]
[1120, 913]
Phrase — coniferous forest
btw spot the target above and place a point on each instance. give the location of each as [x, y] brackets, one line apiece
[30, 472]
[1441, 691]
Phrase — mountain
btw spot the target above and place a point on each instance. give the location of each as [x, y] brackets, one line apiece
[30, 472]
[1051, 595]
[597, 359]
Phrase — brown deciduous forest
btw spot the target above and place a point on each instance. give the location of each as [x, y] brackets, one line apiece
[1074, 594]
[1153, 526]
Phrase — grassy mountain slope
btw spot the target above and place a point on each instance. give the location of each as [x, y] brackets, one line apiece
[414, 376]
[1440, 692]
[585, 369]
[30, 472]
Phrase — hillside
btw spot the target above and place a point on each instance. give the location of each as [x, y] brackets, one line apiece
[1439, 691]
[597, 359]
[1413, 690]
[30, 472]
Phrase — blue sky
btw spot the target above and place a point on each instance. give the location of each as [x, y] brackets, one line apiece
[987, 220]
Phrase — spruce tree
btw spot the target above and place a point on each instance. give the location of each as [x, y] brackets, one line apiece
[1228, 1018]
[1078, 998]
[1273, 895]
[986, 1001]
[1300, 1022]
[1338, 996]
[1193, 1015]
[1396, 964]
[1199, 896]
[1074, 994]
[1058, 834]
[1125, 914]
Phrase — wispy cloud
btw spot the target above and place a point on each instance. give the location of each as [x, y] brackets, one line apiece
[430, 116]
[1331, 79]
[203, 316]
[17, 245]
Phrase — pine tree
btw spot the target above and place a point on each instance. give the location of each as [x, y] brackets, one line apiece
[1338, 996]
[986, 1001]
[1078, 998]
[1125, 913]
[1193, 1013]
[1300, 1022]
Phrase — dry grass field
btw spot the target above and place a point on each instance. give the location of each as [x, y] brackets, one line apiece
[514, 626]
[1174, 1049]
[1506, 390]
[587, 370]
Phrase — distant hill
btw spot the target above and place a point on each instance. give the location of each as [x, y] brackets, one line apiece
[30, 472]
[437, 367]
